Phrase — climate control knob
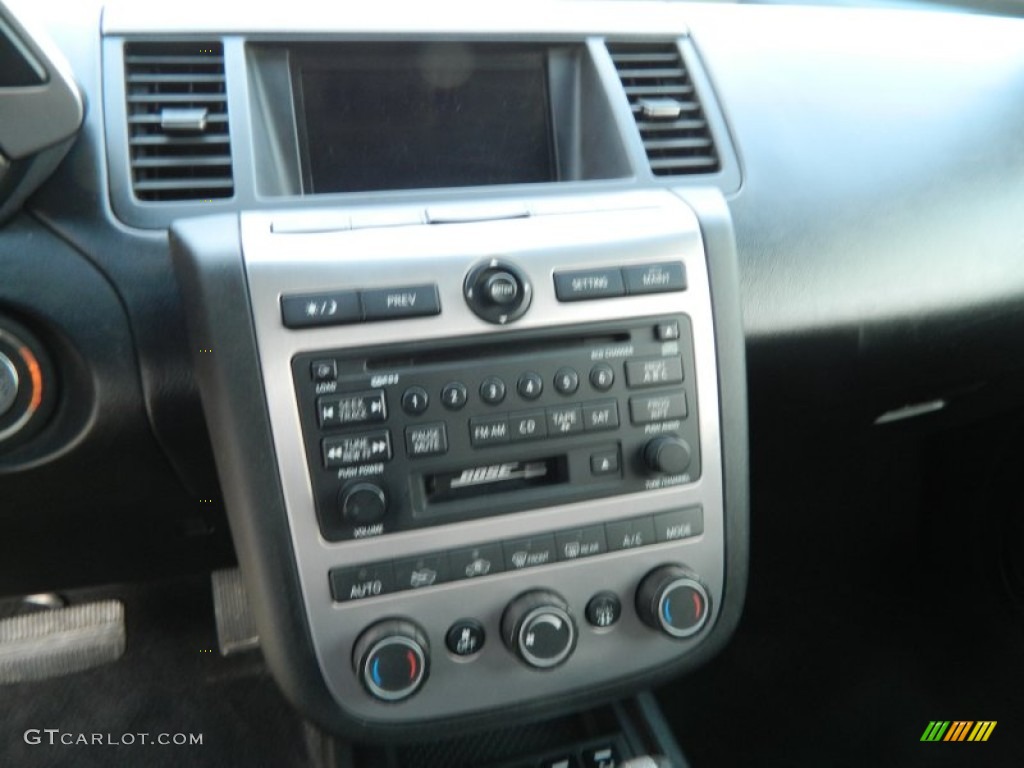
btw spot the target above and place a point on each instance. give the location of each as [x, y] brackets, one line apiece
[538, 628]
[667, 455]
[673, 600]
[8, 383]
[392, 659]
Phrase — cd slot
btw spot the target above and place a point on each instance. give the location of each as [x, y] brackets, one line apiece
[505, 349]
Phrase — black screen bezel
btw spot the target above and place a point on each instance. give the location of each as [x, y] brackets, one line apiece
[382, 56]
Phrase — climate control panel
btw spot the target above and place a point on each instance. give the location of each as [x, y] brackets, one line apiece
[538, 628]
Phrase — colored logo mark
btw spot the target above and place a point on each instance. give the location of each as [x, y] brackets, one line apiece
[958, 730]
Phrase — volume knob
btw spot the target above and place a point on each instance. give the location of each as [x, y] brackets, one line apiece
[363, 503]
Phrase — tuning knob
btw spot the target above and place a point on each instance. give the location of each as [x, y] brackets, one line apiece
[392, 659]
[667, 455]
[538, 628]
[673, 600]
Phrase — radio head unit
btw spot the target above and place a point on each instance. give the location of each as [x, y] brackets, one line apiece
[404, 438]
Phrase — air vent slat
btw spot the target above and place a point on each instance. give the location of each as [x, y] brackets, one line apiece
[183, 184]
[173, 162]
[664, 102]
[646, 58]
[670, 125]
[676, 73]
[187, 78]
[203, 60]
[663, 144]
[658, 90]
[177, 98]
[684, 106]
[675, 163]
[186, 160]
[161, 140]
[154, 119]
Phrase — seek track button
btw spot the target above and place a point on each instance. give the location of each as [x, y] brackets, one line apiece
[352, 408]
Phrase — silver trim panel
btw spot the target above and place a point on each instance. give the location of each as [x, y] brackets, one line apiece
[610, 230]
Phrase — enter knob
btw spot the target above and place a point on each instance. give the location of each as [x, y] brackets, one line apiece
[667, 455]
[502, 288]
[538, 629]
[497, 291]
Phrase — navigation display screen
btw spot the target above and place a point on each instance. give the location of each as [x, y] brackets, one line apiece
[380, 117]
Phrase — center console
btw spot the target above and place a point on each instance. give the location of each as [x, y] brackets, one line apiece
[483, 450]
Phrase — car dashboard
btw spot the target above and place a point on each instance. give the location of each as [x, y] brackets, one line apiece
[467, 332]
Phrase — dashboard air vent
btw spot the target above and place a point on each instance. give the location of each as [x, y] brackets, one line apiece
[666, 108]
[177, 121]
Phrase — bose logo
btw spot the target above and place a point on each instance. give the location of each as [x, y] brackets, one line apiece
[497, 472]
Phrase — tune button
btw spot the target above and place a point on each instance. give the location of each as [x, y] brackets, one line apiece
[667, 454]
[454, 395]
